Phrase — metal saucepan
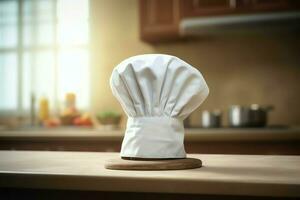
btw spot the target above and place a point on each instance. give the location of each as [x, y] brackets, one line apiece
[253, 116]
[211, 119]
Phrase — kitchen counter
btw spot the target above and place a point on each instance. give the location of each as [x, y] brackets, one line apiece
[191, 134]
[274, 176]
[261, 141]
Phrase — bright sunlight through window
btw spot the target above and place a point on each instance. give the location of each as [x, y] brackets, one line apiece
[44, 52]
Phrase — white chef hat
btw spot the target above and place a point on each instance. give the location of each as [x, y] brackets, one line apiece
[157, 92]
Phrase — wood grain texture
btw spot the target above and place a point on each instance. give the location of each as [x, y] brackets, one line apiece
[276, 176]
[169, 164]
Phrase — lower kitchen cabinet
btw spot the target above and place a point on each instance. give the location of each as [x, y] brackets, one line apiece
[260, 141]
[205, 147]
[47, 194]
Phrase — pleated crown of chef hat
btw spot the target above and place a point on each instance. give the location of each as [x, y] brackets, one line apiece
[157, 92]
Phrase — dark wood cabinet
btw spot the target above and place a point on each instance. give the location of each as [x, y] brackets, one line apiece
[196, 8]
[275, 5]
[98, 144]
[268, 5]
[193, 8]
[159, 20]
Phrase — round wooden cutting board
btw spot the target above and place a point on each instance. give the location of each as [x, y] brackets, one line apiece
[167, 164]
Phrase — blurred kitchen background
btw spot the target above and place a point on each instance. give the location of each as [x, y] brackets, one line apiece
[56, 58]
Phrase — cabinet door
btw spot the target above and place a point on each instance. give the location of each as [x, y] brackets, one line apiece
[159, 20]
[294, 4]
[269, 5]
[193, 8]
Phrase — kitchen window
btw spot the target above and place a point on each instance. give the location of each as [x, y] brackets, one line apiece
[44, 52]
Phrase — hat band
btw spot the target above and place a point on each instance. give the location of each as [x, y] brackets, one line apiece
[153, 137]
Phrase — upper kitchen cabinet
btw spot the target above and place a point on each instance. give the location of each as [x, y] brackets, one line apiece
[159, 20]
[268, 5]
[170, 20]
[193, 8]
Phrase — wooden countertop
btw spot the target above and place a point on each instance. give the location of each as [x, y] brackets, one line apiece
[191, 134]
[221, 174]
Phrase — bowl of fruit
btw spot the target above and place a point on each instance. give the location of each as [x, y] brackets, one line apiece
[83, 120]
[68, 115]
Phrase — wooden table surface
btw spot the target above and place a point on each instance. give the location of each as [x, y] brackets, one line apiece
[220, 175]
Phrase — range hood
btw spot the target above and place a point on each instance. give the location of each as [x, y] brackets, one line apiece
[280, 21]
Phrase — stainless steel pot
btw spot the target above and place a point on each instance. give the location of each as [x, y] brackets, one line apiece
[211, 119]
[253, 116]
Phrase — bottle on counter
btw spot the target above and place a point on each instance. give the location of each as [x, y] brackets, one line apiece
[43, 109]
[69, 112]
[70, 100]
[32, 109]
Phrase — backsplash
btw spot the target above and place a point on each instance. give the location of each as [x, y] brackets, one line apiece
[239, 69]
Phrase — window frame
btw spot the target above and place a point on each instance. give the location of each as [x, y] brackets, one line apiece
[54, 48]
